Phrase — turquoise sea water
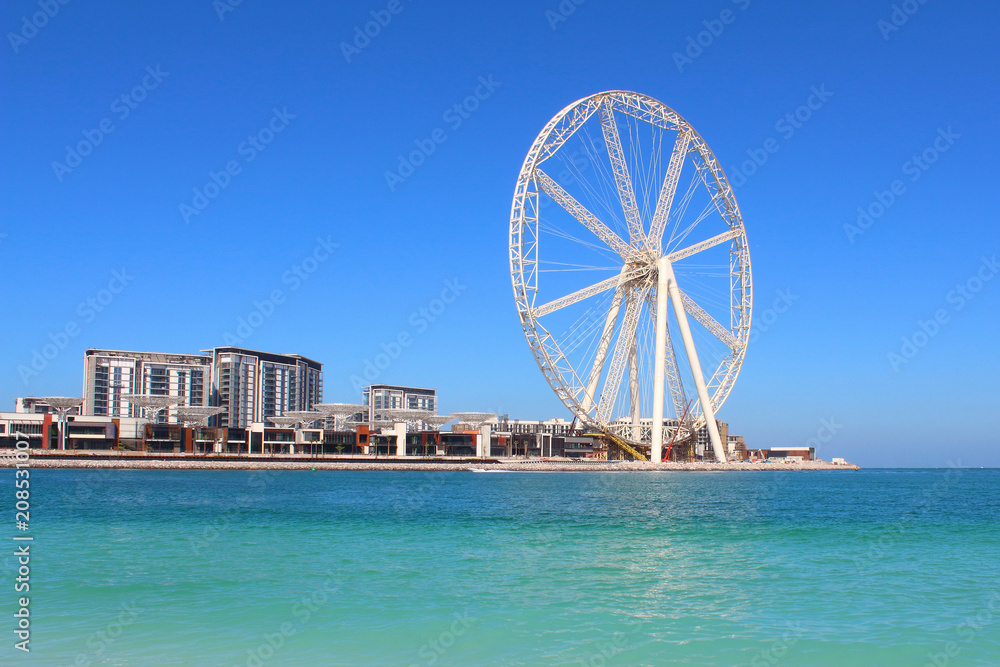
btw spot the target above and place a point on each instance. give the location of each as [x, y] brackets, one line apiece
[131, 567]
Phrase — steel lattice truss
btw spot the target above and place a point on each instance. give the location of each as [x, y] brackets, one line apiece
[341, 413]
[410, 416]
[635, 207]
[284, 421]
[152, 403]
[305, 417]
[341, 409]
[62, 402]
[198, 414]
[435, 422]
[474, 419]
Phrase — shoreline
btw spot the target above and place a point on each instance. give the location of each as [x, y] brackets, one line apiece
[145, 461]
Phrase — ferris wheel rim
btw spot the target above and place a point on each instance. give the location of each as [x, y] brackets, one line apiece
[545, 348]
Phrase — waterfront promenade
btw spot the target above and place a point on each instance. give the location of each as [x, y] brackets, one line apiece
[142, 460]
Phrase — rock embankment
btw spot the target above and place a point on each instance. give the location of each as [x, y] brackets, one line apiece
[180, 462]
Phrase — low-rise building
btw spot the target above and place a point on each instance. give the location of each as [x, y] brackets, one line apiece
[82, 431]
[796, 453]
[553, 427]
[736, 447]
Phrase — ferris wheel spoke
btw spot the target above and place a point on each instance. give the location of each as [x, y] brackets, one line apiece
[709, 322]
[618, 360]
[704, 245]
[602, 350]
[674, 383]
[623, 179]
[711, 183]
[556, 232]
[580, 295]
[586, 218]
[666, 201]
[676, 239]
[633, 389]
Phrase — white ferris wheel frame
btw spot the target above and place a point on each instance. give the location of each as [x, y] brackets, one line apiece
[643, 265]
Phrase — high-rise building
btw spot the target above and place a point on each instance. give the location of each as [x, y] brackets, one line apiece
[394, 397]
[251, 385]
[108, 374]
[254, 385]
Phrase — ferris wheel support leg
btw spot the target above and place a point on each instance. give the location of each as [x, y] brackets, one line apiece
[666, 271]
[660, 360]
[602, 351]
[633, 385]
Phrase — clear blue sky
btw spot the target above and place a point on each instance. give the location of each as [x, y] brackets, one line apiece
[323, 175]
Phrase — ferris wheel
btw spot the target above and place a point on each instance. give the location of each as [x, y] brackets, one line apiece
[623, 229]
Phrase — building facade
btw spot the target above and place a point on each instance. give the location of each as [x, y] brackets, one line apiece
[703, 442]
[395, 397]
[41, 430]
[250, 384]
[554, 427]
[254, 385]
[38, 406]
[110, 374]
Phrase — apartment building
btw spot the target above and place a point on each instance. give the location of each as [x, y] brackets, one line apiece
[395, 397]
[251, 385]
[110, 374]
[254, 385]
